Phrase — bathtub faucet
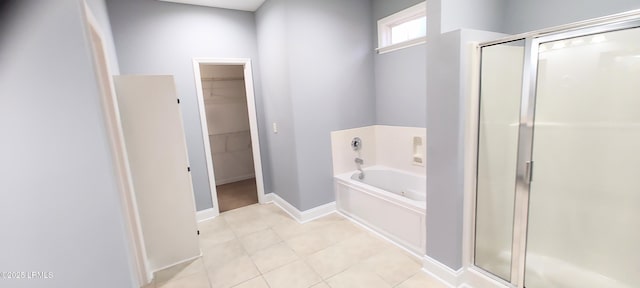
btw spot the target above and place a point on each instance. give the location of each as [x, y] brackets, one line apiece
[359, 163]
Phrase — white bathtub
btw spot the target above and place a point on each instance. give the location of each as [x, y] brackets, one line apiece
[389, 201]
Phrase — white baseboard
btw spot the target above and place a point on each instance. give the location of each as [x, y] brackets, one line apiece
[235, 179]
[177, 263]
[466, 277]
[473, 277]
[301, 216]
[268, 198]
[206, 214]
[447, 276]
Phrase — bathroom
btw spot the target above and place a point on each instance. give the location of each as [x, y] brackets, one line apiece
[316, 71]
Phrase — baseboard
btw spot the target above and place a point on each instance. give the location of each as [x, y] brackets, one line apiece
[301, 216]
[177, 263]
[206, 214]
[268, 198]
[473, 277]
[466, 277]
[235, 179]
[447, 276]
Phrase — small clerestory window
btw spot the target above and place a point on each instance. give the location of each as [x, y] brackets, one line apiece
[403, 29]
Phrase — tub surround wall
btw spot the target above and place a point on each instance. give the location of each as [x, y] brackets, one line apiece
[343, 155]
[395, 149]
[390, 146]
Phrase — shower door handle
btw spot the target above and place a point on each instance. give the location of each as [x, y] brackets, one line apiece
[529, 172]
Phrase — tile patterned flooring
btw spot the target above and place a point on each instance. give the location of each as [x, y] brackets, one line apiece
[260, 246]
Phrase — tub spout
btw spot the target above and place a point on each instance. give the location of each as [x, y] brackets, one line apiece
[359, 162]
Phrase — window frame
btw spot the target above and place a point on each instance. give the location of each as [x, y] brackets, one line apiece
[387, 23]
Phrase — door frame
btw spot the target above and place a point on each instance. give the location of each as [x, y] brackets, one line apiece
[253, 126]
[122, 169]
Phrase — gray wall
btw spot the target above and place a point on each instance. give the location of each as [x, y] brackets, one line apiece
[449, 62]
[154, 37]
[272, 24]
[327, 53]
[447, 67]
[444, 165]
[480, 14]
[522, 16]
[331, 81]
[400, 75]
[60, 210]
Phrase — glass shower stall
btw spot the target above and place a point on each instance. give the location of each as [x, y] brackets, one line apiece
[557, 200]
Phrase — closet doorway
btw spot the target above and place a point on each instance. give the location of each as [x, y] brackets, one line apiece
[230, 134]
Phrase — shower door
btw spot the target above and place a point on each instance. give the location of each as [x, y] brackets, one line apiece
[558, 167]
[584, 195]
[501, 78]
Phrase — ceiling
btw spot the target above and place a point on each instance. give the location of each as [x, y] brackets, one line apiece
[245, 5]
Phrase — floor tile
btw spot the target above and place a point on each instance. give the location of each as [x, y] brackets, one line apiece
[294, 275]
[208, 239]
[246, 220]
[214, 231]
[271, 208]
[198, 280]
[344, 254]
[275, 216]
[257, 282]
[259, 240]
[393, 265]
[293, 229]
[242, 213]
[241, 244]
[232, 272]
[421, 280]
[322, 237]
[222, 253]
[331, 218]
[179, 271]
[357, 277]
[213, 224]
[321, 285]
[273, 257]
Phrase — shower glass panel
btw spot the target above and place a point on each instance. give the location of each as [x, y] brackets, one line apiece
[501, 78]
[584, 197]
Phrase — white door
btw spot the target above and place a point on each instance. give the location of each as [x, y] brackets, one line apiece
[156, 146]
